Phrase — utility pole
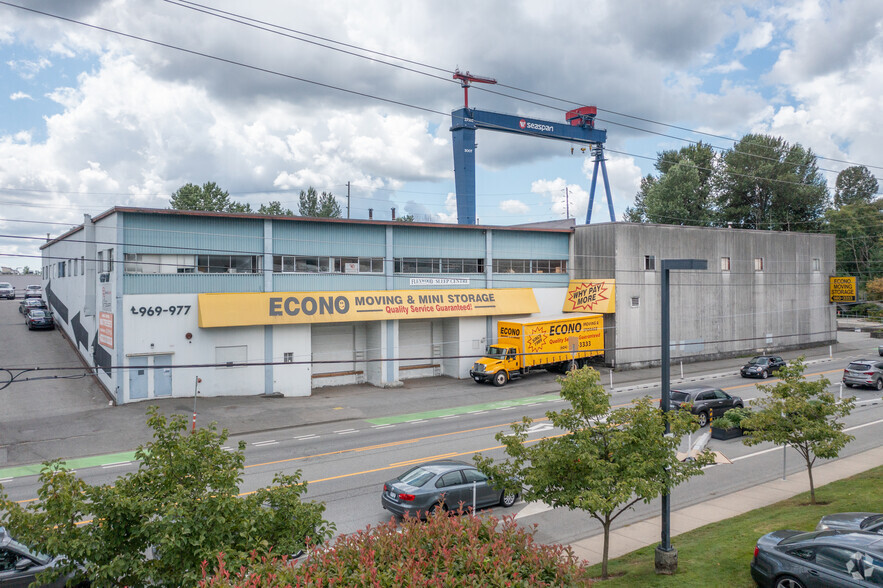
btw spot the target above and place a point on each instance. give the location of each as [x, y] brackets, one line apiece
[567, 201]
[347, 199]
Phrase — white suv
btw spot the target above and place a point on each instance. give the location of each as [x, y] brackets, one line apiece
[7, 291]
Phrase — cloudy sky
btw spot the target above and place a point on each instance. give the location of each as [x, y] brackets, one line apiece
[120, 102]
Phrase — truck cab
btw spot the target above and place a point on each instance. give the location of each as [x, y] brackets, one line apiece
[498, 365]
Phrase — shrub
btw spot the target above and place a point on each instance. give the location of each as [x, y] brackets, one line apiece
[444, 550]
[732, 419]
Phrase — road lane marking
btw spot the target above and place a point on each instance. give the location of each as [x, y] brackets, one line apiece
[116, 465]
[265, 443]
[346, 431]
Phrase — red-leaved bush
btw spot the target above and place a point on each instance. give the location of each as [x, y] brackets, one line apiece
[444, 551]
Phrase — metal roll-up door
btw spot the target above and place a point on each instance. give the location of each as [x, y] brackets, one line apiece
[332, 343]
[415, 341]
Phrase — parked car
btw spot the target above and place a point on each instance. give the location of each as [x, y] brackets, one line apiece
[38, 318]
[762, 366]
[19, 565]
[870, 522]
[7, 291]
[34, 291]
[793, 559]
[28, 304]
[440, 484]
[707, 402]
[864, 372]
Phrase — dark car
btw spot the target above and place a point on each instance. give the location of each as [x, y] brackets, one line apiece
[29, 304]
[440, 484]
[762, 366]
[34, 291]
[793, 559]
[864, 372]
[7, 291]
[707, 402]
[19, 565]
[870, 522]
[38, 318]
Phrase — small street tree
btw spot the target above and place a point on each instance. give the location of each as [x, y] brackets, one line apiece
[800, 414]
[275, 208]
[609, 460]
[156, 526]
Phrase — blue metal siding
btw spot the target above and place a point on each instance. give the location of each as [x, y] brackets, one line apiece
[327, 282]
[531, 280]
[438, 242]
[163, 233]
[403, 281]
[191, 283]
[328, 239]
[530, 245]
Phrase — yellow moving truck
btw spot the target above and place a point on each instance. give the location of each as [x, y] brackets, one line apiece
[555, 344]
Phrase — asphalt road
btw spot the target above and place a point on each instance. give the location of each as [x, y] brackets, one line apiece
[346, 463]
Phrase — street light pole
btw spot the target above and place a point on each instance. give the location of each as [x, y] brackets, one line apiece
[195, 392]
[667, 556]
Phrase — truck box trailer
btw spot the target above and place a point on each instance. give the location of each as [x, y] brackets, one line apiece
[553, 343]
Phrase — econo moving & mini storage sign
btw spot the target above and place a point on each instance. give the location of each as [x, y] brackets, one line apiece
[285, 308]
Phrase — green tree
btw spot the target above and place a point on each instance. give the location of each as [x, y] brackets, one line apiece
[765, 183]
[408, 218]
[799, 414]
[275, 208]
[608, 461]
[858, 228]
[157, 525]
[208, 197]
[875, 289]
[682, 194]
[328, 206]
[855, 184]
[316, 205]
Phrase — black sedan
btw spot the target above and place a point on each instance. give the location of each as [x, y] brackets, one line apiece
[445, 484]
[870, 522]
[38, 318]
[762, 366]
[793, 559]
[704, 401]
[28, 304]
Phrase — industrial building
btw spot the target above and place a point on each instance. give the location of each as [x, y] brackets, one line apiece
[251, 304]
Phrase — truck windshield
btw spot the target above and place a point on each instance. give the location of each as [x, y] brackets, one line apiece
[495, 352]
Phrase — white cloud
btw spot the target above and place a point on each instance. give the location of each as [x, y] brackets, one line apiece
[20, 96]
[725, 68]
[514, 207]
[27, 69]
[757, 37]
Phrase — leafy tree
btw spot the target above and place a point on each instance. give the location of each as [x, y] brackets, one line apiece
[275, 208]
[610, 460]
[315, 205]
[682, 194]
[442, 551]
[157, 525]
[854, 185]
[408, 218]
[858, 228]
[208, 197]
[767, 183]
[875, 289]
[800, 414]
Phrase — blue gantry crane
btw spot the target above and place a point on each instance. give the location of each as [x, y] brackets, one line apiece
[579, 129]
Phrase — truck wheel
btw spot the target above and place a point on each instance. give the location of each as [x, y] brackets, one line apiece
[500, 378]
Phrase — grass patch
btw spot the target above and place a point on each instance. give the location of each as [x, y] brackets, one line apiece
[718, 554]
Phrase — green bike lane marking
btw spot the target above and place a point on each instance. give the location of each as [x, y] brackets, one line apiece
[112, 458]
[73, 464]
[442, 412]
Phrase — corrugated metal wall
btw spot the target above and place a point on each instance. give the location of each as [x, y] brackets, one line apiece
[530, 245]
[409, 241]
[163, 233]
[328, 239]
[191, 283]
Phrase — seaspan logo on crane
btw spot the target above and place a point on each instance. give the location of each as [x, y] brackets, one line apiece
[534, 126]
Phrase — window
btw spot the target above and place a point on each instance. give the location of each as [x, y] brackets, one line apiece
[287, 264]
[758, 264]
[228, 264]
[288, 357]
[725, 264]
[60, 269]
[474, 476]
[109, 260]
[636, 301]
[230, 355]
[530, 266]
[449, 479]
[650, 262]
[816, 264]
[835, 558]
[434, 265]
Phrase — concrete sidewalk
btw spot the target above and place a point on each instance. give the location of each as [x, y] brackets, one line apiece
[649, 531]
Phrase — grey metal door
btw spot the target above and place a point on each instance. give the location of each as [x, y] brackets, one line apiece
[137, 377]
[162, 375]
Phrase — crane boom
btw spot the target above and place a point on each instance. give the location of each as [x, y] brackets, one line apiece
[466, 80]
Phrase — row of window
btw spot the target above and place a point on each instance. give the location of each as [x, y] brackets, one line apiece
[650, 264]
[145, 263]
[77, 266]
